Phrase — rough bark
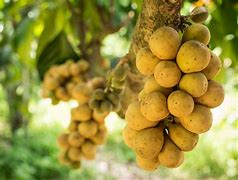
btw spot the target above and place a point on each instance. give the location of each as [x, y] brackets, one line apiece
[154, 14]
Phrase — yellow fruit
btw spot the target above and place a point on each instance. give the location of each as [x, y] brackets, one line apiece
[63, 159]
[199, 14]
[81, 113]
[146, 61]
[193, 56]
[69, 87]
[75, 139]
[135, 119]
[63, 70]
[99, 138]
[113, 97]
[88, 129]
[151, 85]
[62, 141]
[214, 95]
[147, 164]
[183, 138]
[102, 127]
[89, 156]
[74, 69]
[97, 82]
[194, 83]
[170, 156]
[73, 126]
[99, 117]
[198, 32]
[77, 79]
[154, 106]
[180, 103]
[167, 74]
[74, 154]
[149, 142]
[98, 94]
[106, 106]
[83, 65]
[62, 94]
[128, 135]
[165, 42]
[88, 147]
[81, 93]
[51, 83]
[199, 121]
[213, 67]
[75, 164]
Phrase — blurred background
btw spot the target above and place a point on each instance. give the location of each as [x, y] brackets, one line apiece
[32, 33]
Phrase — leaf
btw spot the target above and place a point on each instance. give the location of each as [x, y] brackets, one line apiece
[56, 52]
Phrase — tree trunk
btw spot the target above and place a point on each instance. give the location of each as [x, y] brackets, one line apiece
[154, 14]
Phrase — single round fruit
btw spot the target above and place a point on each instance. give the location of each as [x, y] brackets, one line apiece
[180, 103]
[135, 119]
[194, 83]
[74, 69]
[99, 138]
[213, 67]
[73, 126]
[81, 93]
[87, 129]
[83, 65]
[199, 121]
[165, 42]
[147, 164]
[98, 94]
[151, 85]
[167, 74]
[99, 117]
[154, 106]
[214, 95]
[183, 138]
[62, 94]
[128, 135]
[106, 106]
[193, 56]
[81, 113]
[63, 141]
[149, 142]
[199, 14]
[198, 32]
[88, 147]
[146, 61]
[170, 156]
[75, 139]
[74, 154]
[51, 83]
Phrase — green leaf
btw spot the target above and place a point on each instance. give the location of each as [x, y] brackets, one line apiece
[56, 52]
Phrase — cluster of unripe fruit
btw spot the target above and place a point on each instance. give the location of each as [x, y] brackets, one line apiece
[61, 81]
[107, 99]
[85, 132]
[174, 105]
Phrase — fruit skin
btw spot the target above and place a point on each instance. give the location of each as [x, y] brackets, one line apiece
[180, 103]
[51, 83]
[149, 142]
[99, 117]
[75, 139]
[164, 43]
[199, 14]
[147, 164]
[81, 93]
[199, 121]
[62, 141]
[183, 138]
[81, 113]
[62, 94]
[193, 56]
[146, 61]
[74, 154]
[167, 74]
[128, 135]
[151, 85]
[135, 119]
[88, 129]
[154, 106]
[141, 94]
[170, 156]
[99, 138]
[89, 147]
[194, 83]
[213, 67]
[214, 95]
[198, 32]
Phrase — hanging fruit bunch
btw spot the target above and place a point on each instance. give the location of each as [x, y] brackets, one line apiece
[105, 100]
[173, 108]
[60, 81]
[86, 130]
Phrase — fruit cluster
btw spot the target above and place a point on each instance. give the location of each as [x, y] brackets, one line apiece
[107, 99]
[174, 105]
[60, 81]
[85, 132]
